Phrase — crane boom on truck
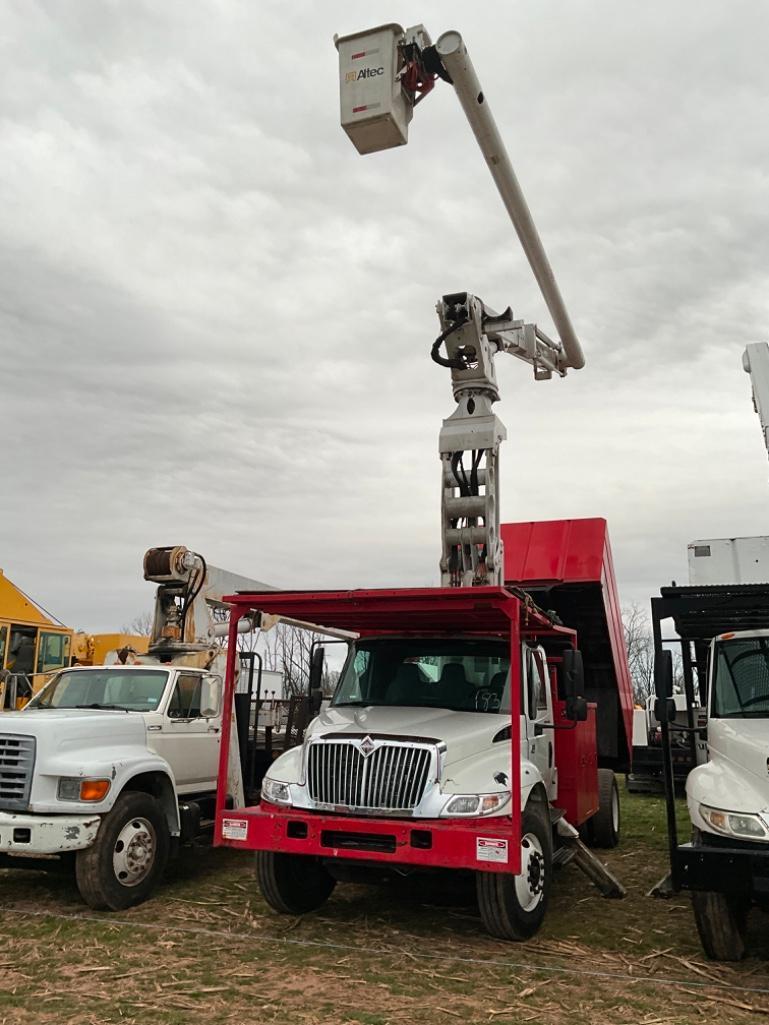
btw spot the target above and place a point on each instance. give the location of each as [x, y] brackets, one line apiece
[458, 736]
[383, 73]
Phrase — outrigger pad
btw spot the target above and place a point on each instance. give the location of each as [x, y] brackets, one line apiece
[664, 888]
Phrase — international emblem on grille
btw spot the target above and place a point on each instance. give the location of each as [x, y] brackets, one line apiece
[366, 746]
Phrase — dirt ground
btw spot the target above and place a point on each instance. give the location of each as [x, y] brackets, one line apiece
[208, 950]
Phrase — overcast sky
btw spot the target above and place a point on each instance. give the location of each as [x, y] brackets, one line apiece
[215, 317]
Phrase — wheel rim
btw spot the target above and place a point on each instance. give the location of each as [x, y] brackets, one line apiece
[615, 810]
[530, 884]
[134, 852]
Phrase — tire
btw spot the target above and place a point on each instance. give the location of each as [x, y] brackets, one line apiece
[513, 907]
[293, 884]
[721, 922]
[128, 857]
[605, 824]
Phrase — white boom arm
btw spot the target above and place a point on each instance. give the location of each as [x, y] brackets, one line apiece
[755, 361]
[384, 73]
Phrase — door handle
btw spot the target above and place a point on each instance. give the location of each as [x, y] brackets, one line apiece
[214, 729]
[154, 728]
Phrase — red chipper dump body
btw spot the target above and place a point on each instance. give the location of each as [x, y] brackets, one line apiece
[566, 567]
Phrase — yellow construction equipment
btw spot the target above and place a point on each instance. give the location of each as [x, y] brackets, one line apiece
[33, 643]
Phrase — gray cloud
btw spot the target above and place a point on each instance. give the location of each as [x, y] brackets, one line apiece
[215, 316]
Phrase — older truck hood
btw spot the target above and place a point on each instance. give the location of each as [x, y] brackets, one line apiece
[62, 730]
[463, 733]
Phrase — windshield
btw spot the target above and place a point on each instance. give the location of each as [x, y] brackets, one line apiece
[462, 675]
[741, 684]
[134, 690]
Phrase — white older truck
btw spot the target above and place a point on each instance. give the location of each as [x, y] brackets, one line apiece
[109, 766]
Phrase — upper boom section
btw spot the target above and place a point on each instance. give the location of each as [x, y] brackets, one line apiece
[384, 73]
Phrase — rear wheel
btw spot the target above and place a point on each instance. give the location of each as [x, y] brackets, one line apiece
[513, 907]
[721, 922]
[293, 883]
[605, 824]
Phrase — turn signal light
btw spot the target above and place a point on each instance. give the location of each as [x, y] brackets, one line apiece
[94, 789]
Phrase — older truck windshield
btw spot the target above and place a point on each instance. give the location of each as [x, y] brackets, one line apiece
[461, 675]
[741, 686]
[134, 690]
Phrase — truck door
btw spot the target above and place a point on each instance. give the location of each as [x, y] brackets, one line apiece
[538, 714]
[187, 734]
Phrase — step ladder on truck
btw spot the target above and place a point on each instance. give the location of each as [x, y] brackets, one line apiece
[721, 623]
[471, 728]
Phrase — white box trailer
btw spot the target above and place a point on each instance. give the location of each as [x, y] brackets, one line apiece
[729, 560]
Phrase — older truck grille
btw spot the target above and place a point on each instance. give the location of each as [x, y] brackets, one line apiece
[17, 760]
[392, 778]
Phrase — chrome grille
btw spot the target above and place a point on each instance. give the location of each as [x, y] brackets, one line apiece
[17, 760]
[392, 778]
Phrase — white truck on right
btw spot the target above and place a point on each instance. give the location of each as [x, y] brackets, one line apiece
[721, 622]
[724, 636]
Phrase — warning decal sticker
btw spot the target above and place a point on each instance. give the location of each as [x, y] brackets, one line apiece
[491, 850]
[237, 829]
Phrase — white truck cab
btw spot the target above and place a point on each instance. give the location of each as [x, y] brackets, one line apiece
[455, 693]
[105, 765]
[728, 797]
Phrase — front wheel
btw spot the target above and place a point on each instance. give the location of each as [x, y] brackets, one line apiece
[513, 907]
[722, 923]
[293, 884]
[123, 865]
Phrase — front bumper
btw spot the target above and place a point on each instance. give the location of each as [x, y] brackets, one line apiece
[731, 868]
[490, 844]
[33, 835]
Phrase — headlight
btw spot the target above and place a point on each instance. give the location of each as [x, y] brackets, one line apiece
[476, 804]
[732, 823]
[71, 788]
[275, 792]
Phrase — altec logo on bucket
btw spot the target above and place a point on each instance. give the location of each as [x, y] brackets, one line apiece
[356, 76]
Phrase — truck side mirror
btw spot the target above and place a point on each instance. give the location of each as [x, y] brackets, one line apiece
[317, 660]
[210, 696]
[576, 709]
[664, 705]
[573, 685]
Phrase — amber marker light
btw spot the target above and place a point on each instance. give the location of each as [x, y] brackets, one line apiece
[94, 789]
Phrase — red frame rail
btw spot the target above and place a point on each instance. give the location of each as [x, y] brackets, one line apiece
[490, 844]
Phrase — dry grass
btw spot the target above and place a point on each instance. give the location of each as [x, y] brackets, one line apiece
[207, 950]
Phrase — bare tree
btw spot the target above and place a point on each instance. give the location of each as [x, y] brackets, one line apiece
[287, 650]
[640, 651]
[141, 624]
[640, 655]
